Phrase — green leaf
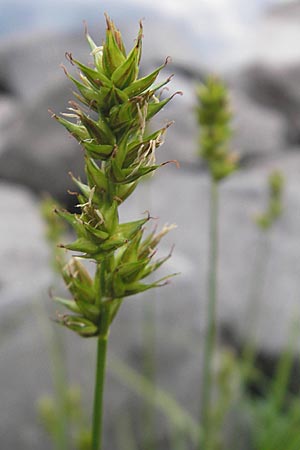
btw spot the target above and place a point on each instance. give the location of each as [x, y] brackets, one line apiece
[130, 252]
[96, 176]
[83, 245]
[84, 188]
[88, 310]
[125, 190]
[139, 86]
[69, 304]
[96, 78]
[113, 54]
[73, 220]
[136, 288]
[96, 233]
[127, 72]
[96, 51]
[155, 107]
[99, 130]
[97, 151]
[129, 272]
[129, 229]
[78, 131]
[113, 243]
[82, 326]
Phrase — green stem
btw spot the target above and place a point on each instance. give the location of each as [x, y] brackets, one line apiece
[55, 343]
[98, 394]
[60, 386]
[253, 310]
[149, 370]
[179, 418]
[211, 331]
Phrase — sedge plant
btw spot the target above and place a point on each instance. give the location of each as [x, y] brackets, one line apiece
[265, 222]
[109, 121]
[62, 414]
[275, 413]
[53, 411]
[214, 120]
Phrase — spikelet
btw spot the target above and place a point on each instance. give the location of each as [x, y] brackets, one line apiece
[214, 119]
[109, 120]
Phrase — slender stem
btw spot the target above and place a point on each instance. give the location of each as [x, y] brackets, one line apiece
[60, 386]
[98, 394]
[163, 401]
[55, 343]
[149, 331]
[253, 309]
[210, 338]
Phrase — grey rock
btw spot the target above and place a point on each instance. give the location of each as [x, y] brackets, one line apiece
[24, 255]
[276, 88]
[24, 280]
[31, 62]
[39, 153]
[279, 26]
[242, 198]
[35, 151]
[258, 131]
[271, 75]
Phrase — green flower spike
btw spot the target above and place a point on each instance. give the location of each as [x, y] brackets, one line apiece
[214, 119]
[274, 209]
[109, 121]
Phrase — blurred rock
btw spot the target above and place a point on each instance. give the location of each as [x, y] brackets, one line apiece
[242, 198]
[271, 78]
[39, 153]
[35, 151]
[275, 88]
[258, 132]
[24, 281]
[31, 62]
[24, 254]
[275, 34]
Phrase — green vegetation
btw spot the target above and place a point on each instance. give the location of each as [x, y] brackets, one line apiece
[110, 123]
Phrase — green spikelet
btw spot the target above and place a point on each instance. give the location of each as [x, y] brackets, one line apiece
[214, 119]
[109, 121]
[274, 208]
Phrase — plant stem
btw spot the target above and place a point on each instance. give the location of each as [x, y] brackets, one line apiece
[98, 393]
[210, 338]
[149, 370]
[60, 386]
[179, 418]
[253, 309]
[55, 344]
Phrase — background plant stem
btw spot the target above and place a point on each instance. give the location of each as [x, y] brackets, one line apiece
[98, 394]
[253, 310]
[60, 387]
[179, 418]
[149, 332]
[210, 338]
[56, 348]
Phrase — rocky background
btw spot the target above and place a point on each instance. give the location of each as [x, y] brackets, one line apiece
[262, 70]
